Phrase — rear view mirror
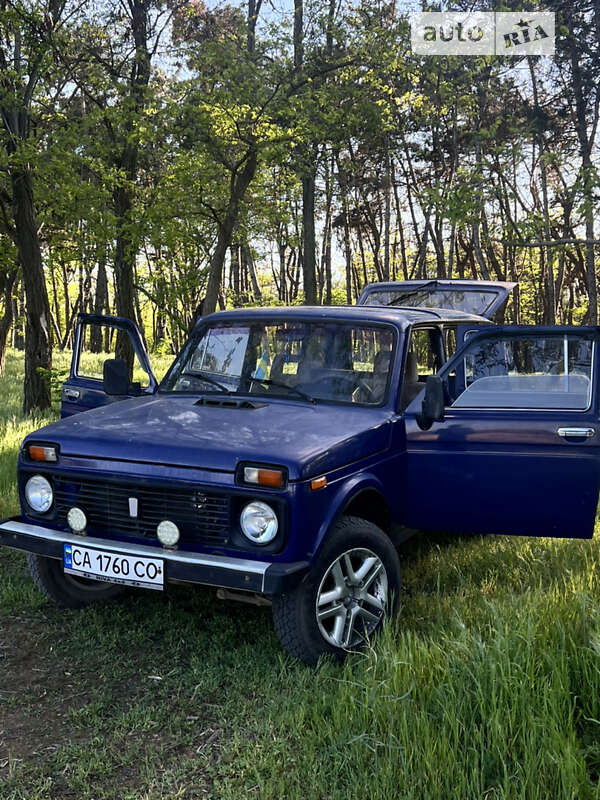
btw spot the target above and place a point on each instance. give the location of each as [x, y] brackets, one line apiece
[434, 403]
[116, 376]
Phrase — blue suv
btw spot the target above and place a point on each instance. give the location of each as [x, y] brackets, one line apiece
[287, 452]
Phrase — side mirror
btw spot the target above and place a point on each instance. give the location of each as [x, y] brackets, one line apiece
[116, 376]
[434, 404]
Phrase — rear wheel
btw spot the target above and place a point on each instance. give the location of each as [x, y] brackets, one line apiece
[345, 598]
[67, 591]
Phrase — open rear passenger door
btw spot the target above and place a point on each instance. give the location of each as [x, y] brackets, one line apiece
[514, 445]
[95, 371]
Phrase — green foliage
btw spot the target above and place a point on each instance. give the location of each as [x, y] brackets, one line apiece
[454, 148]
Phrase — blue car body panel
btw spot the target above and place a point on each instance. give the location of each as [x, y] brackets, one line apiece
[175, 429]
[507, 471]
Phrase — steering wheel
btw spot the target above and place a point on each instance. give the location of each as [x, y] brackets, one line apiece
[357, 383]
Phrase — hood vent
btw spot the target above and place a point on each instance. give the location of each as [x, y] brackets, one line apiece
[228, 402]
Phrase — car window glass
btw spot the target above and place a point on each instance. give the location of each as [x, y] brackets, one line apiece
[537, 372]
[472, 301]
[422, 345]
[98, 343]
[450, 341]
[423, 358]
[323, 360]
[222, 351]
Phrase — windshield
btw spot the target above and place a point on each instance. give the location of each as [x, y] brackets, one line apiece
[300, 360]
[471, 301]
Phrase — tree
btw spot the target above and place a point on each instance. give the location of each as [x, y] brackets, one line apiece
[579, 58]
[7, 283]
[27, 36]
[114, 71]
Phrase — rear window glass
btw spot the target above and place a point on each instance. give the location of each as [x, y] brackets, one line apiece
[470, 301]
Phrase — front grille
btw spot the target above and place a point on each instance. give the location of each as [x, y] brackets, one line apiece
[202, 516]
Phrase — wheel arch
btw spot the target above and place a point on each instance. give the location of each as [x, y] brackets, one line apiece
[362, 496]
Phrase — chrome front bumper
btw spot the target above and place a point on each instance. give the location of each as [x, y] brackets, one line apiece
[212, 570]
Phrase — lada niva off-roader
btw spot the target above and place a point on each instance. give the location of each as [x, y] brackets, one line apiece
[287, 451]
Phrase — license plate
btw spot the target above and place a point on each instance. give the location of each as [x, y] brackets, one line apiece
[102, 565]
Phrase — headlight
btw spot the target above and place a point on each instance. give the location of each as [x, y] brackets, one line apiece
[38, 493]
[259, 523]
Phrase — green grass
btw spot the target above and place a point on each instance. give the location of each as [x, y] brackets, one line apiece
[487, 685]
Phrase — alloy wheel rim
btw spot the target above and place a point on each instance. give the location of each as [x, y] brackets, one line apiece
[352, 598]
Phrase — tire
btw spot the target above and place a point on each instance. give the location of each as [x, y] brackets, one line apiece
[68, 591]
[341, 628]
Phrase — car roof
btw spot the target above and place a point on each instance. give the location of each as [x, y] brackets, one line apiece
[402, 317]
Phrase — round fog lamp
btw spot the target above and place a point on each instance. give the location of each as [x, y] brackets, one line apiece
[259, 523]
[77, 519]
[168, 533]
[38, 494]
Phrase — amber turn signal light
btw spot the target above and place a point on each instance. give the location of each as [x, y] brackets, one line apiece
[264, 477]
[38, 452]
[318, 483]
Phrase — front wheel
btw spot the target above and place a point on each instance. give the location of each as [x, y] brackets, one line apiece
[345, 597]
[67, 591]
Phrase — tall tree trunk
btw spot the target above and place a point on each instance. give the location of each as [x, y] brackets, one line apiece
[127, 162]
[399, 223]
[547, 253]
[7, 282]
[281, 249]
[343, 187]
[327, 268]
[55, 298]
[308, 239]
[38, 343]
[239, 185]
[100, 303]
[124, 270]
[234, 273]
[590, 264]
[482, 87]
[387, 212]
[19, 317]
[347, 251]
[307, 177]
[247, 253]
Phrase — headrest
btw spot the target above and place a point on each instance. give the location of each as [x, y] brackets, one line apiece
[381, 362]
[411, 371]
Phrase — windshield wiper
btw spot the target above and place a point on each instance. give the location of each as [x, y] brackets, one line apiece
[411, 293]
[207, 379]
[281, 385]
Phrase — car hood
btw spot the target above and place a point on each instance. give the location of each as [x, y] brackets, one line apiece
[176, 430]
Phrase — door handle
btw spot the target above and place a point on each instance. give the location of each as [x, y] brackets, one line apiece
[71, 394]
[582, 433]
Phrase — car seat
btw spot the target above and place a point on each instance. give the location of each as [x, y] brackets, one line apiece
[411, 386]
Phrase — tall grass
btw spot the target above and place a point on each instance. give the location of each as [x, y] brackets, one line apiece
[487, 684]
